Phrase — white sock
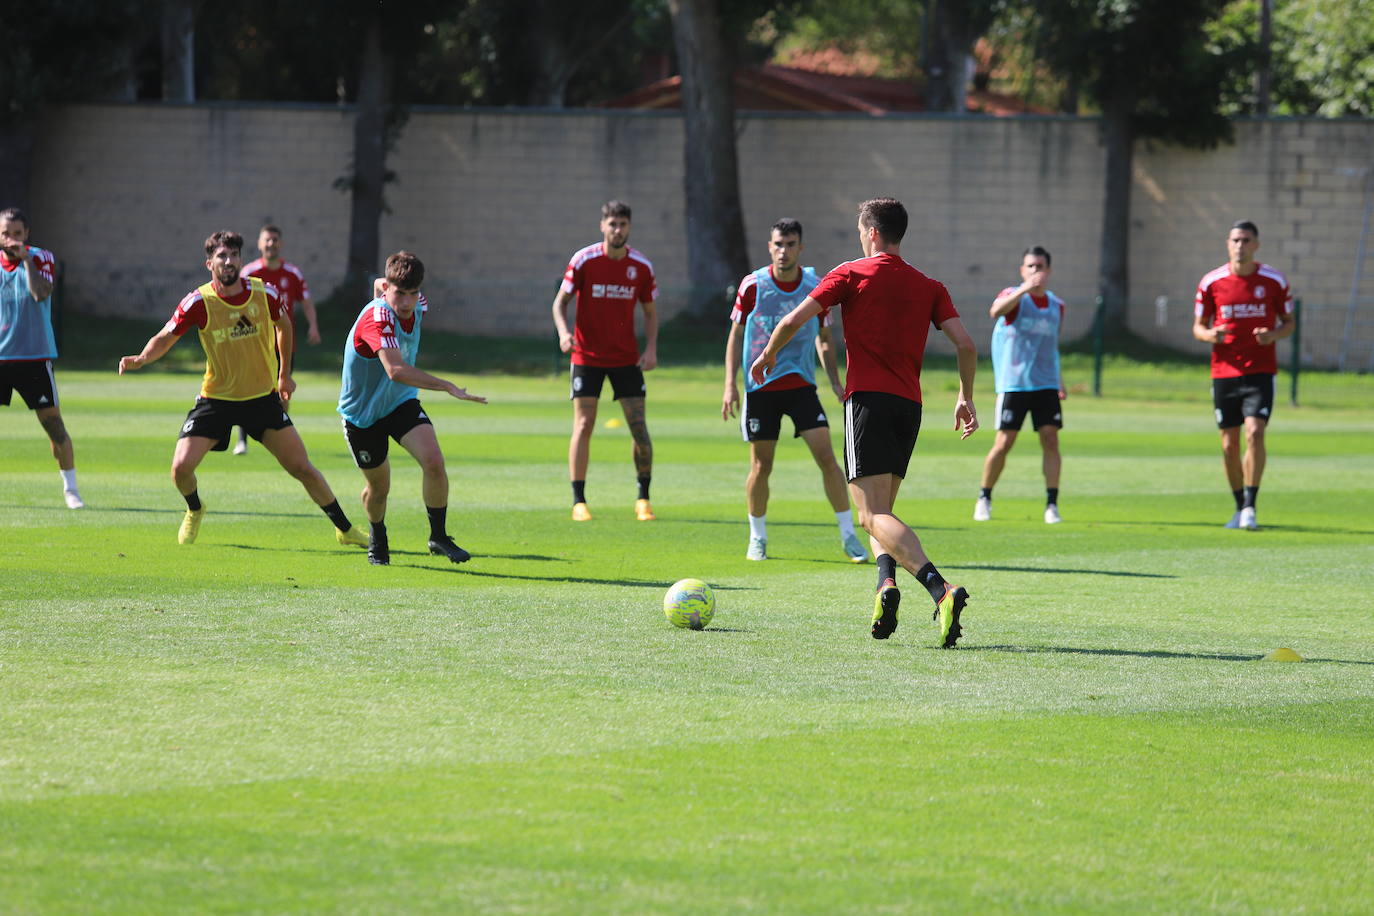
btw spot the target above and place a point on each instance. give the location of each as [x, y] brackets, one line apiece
[758, 527]
[845, 520]
[68, 479]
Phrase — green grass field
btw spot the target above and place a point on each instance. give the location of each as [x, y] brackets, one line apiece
[261, 722]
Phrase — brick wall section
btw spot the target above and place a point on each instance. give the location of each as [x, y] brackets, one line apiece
[495, 202]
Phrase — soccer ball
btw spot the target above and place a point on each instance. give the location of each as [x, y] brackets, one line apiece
[689, 603]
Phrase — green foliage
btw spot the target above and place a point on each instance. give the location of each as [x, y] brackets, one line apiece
[888, 31]
[1328, 50]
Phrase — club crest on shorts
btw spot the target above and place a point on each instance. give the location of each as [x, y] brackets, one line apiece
[753, 424]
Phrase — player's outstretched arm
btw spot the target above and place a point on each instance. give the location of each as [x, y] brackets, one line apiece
[156, 347]
[398, 370]
[784, 331]
[965, 415]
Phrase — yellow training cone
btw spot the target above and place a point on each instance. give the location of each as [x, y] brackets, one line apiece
[613, 423]
[1283, 655]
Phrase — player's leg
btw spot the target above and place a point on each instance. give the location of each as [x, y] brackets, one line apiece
[1226, 406]
[50, 418]
[241, 446]
[642, 452]
[1252, 470]
[1051, 463]
[817, 439]
[376, 489]
[756, 493]
[189, 452]
[873, 498]
[579, 452]
[423, 445]
[284, 444]
[993, 464]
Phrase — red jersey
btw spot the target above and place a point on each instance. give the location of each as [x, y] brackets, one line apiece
[43, 262]
[287, 278]
[745, 299]
[376, 331]
[1041, 302]
[1240, 305]
[607, 290]
[191, 313]
[888, 307]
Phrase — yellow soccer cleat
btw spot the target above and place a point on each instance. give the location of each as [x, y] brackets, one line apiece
[581, 513]
[947, 611]
[353, 537]
[885, 605]
[190, 526]
[643, 511]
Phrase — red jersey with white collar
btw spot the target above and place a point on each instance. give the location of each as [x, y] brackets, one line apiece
[887, 307]
[1240, 305]
[287, 278]
[607, 290]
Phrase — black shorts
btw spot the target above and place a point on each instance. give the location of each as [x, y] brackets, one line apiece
[370, 444]
[626, 381]
[1242, 396]
[1042, 404]
[880, 431]
[214, 418]
[761, 418]
[32, 378]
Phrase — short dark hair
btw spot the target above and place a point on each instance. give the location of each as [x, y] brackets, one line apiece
[886, 215]
[405, 271]
[269, 227]
[19, 216]
[615, 208]
[1246, 226]
[1039, 252]
[225, 238]
[787, 226]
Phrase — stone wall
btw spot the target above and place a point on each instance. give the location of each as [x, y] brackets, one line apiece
[496, 201]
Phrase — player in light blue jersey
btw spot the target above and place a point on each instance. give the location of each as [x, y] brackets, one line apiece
[764, 297]
[378, 402]
[1025, 363]
[27, 345]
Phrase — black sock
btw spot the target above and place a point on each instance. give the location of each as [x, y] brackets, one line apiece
[1240, 499]
[336, 515]
[579, 491]
[377, 532]
[644, 486]
[887, 568]
[985, 493]
[1051, 496]
[438, 522]
[192, 500]
[1251, 494]
[932, 580]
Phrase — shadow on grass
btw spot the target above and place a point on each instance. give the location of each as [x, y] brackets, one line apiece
[466, 569]
[1149, 653]
[1049, 569]
[1279, 529]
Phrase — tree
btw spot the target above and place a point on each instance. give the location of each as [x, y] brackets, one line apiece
[950, 29]
[1153, 74]
[716, 252]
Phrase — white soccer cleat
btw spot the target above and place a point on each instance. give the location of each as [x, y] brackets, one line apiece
[982, 510]
[1052, 515]
[853, 549]
[241, 447]
[1234, 522]
[1247, 519]
[73, 499]
[758, 549]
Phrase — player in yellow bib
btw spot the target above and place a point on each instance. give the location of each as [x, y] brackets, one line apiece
[242, 327]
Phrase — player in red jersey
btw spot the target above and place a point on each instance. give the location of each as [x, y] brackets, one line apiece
[607, 279]
[1243, 309]
[246, 383]
[888, 307]
[27, 344]
[290, 284]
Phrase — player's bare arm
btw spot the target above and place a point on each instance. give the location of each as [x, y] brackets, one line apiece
[560, 320]
[649, 358]
[1207, 334]
[1269, 336]
[312, 329]
[398, 370]
[40, 287]
[782, 333]
[825, 349]
[729, 402]
[156, 348]
[965, 416]
[286, 345]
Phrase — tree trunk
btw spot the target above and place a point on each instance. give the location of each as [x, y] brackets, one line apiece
[549, 56]
[369, 168]
[178, 51]
[948, 64]
[1263, 78]
[16, 165]
[716, 252]
[1113, 282]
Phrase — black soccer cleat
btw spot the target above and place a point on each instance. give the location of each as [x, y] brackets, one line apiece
[378, 551]
[444, 547]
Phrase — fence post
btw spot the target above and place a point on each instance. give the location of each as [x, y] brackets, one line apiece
[1099, 321]
[1297, 352]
